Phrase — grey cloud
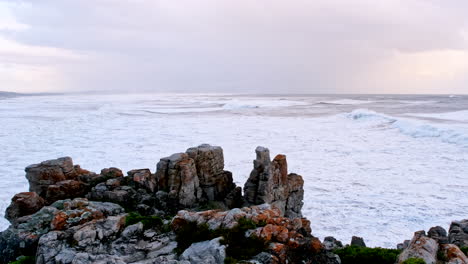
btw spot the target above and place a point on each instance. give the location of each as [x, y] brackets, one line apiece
[237, 45]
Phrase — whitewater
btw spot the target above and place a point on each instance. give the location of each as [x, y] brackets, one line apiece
[380, 167]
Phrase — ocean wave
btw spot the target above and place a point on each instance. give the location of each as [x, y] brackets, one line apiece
[414, 128]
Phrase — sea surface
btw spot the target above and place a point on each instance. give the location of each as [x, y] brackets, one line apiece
[376, 166]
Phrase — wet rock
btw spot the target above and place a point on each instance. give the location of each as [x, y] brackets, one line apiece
[269, 182]
[458, 233]
[331, 243]
[421, 246]
[25, 203]
[453, 254]
[439, 234]
[209, 252]
[357, 241]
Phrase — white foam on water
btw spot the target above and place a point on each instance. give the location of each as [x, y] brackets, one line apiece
[347, 102]
[366, 173]
[454, 116]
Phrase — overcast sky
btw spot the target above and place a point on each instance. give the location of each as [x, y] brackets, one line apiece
[230, 46]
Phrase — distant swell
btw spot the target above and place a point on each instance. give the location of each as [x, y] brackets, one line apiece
[413, 128]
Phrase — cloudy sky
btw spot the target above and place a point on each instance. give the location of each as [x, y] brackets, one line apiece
[245, 46]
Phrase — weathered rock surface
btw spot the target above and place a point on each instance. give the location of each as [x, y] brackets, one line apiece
[269, 182]
[208, 252]
[177, 176]
[458, 233]
[453, 254]
[289, 239]
[439, 234]
[53, 223]
[46, 173]
[421, 246]
[25, 203]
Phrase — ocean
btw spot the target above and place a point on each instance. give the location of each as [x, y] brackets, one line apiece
[376, 166]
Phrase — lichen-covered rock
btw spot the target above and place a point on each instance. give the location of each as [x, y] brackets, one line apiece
[25, 203]
[453, 254]
[208, 252]
[143, 178]
[21, 238]
[421, 246]
[269, 182]
[458, 233]
[46, 173]
[64, 190]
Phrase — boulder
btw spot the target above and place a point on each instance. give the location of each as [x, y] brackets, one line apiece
[25, 203]
[421, 246]
[403, 245]
[439, 234]
[458, 233]
[453, 254]
[357, 241]
[49, 172]
[144, 179]
[269, 182]
[64, 190]
[331, 243]
[208, 252]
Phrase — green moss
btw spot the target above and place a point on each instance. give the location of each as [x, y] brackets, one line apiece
[229, 260]
[24, 260]
[238, 247]
[147, 221]
[363, 255]
[465, 250]
[414, 261]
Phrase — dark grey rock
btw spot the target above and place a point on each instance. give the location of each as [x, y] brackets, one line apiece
[458, 233]
[357, 241]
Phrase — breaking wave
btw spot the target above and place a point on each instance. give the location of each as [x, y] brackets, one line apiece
[414, 128]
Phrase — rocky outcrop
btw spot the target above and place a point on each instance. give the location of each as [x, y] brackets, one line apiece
[453, 254]
[289, 239]
[72, 215]
[46, 173]
[357, 241]
[208, 252]
[421, 246]
[197, 177]
[439, 234]
[458, 233]
[177, 176]
[23, 237]
[269, 182]
[25, 203]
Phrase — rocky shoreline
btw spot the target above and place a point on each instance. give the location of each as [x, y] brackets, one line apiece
[188, 211]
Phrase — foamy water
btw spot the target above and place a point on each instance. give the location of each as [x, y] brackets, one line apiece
[380, 167]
